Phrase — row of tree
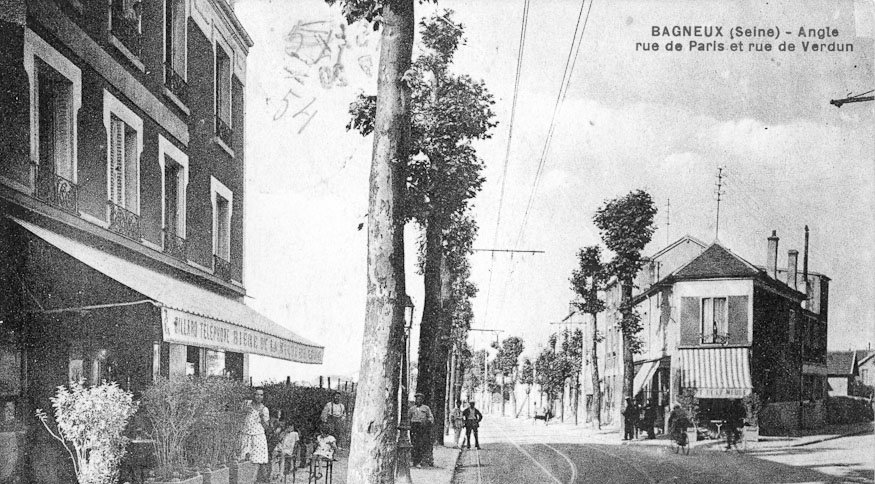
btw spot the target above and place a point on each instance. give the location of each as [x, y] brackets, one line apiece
[424, 169]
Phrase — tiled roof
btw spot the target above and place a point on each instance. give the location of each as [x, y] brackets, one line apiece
[863, 355]
[840, 362]
[716, 261]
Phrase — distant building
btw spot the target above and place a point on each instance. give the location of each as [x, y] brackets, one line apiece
[843, 369]
[722, 327]
[866, 367]
[122, 214]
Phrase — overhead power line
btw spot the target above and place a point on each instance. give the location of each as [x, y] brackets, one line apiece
[516, 89]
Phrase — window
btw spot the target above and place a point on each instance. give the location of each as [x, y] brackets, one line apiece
[714, 320]
[125, 25]
[174, 165]
[55, 98]
[792, 329]
[214, 363]
[222, 200]
[175, 45]
[223, 95]
[192, 361]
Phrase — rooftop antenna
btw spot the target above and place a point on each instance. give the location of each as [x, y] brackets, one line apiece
[667, 222]
[719, 197]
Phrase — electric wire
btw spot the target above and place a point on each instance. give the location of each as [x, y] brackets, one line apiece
[516, 87]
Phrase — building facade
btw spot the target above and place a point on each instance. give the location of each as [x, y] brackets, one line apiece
[721, 328]
[122, 214]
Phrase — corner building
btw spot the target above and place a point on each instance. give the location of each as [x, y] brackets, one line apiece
[122, 214]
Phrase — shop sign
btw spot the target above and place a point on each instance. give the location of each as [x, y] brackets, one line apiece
[192, 330]
[722, 392]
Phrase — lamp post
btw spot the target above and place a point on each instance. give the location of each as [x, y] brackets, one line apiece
[402, 464]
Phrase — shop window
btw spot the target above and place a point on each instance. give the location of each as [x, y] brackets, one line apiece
[714, 320]
[214, 363]
[193, 361]
[88, 365]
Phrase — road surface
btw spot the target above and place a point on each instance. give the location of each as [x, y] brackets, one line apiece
[517, 452]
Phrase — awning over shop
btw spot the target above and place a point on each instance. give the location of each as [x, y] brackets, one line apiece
[716, 372]
[644, 375]
[192, 315]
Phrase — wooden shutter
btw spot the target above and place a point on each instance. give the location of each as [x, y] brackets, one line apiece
[690, 321]
[738, 320]
[116, 161]
[63, 131]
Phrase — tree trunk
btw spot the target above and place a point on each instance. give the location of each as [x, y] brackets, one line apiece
[374, 427]
[628, 356]
[576, 395]
[596, 390]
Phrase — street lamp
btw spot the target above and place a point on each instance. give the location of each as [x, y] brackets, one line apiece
[402, 465]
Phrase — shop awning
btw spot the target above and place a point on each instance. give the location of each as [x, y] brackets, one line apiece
[716, 372]
[644, 375]
[192, 315]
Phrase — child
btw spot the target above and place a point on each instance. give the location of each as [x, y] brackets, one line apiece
[326, 445]
[287, 446]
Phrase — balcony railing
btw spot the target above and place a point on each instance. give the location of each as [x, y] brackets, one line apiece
[58, 191]
[124, 222]
[175, 246]
[175, 83]
[223, 131]
[221, 268]
[126, 27]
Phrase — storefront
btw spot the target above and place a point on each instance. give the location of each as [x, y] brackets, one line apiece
[73, 311]
[718, 376]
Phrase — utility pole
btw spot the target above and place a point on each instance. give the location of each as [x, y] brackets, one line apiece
[667, 222]
[719, 195]
[485, 369]
[852, 99]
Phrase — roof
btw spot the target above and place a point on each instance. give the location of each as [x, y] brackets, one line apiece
[685, 238]
[716, 261]
[840, 362]
[174, 294]
[863, 356]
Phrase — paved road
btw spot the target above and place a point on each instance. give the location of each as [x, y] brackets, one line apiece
[517, 452]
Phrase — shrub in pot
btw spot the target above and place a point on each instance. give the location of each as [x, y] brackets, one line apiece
[92, 420]
[215, 439]
[752, 405]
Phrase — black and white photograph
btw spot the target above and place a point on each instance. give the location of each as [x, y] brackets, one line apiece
[437, 241]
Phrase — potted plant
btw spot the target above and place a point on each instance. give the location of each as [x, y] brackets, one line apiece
[91, 420]
[688, 401]
[215, 441]
[171, 408]
[752, 406]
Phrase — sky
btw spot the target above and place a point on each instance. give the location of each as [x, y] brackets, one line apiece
[661, 121]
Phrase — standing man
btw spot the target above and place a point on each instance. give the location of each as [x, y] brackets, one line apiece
[421, 420]
[472, 418]
[458, 422]
[333, 417]
[630, 419]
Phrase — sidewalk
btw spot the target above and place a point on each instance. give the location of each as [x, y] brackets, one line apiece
[772, 442]
[442, 473]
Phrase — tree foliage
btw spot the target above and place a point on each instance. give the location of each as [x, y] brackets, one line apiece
[553, 370]
[368, 10]
[589, 280]
[527, 372]
[507, 358]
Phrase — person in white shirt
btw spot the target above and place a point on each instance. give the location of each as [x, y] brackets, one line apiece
[326, 444]
[334, 417]
[287, 447]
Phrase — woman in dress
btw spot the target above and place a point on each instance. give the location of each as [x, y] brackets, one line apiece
[254, 441]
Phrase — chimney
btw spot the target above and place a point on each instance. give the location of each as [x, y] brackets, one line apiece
[806, 304]
[792, 267]
[772, 256]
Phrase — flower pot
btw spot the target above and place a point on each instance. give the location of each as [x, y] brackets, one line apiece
[197, 479]
[222, 475]
[692, 435]
[244, 472]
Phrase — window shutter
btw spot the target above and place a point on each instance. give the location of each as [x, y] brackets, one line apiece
[738, 320]
[116, 161]
[690, 326]
[63, 131]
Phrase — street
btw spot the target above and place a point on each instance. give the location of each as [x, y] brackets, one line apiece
[515, 451]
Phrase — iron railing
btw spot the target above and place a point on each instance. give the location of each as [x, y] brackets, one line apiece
[175, 246]
[175, 82]
[124, 222]
[221, 268]
[57, 191]
[125, 27]
[223, 131]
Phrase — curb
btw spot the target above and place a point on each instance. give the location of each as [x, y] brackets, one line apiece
[831, 437]
[455, 465]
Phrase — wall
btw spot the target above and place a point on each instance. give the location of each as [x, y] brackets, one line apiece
[775, 363]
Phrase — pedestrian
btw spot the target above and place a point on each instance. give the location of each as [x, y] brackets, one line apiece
[421, 420]
[650, 419]
[472, 418]
[457, 420]
[287, 447]
[630, 419]
[254, 439]
[334, 417]
[678, 422]
[732, 422]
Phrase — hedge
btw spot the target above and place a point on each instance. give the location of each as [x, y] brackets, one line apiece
[845, 409]
[302, 406]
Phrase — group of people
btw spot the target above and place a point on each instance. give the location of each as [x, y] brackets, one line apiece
[636, 417]
[421, 421]
[267, 439]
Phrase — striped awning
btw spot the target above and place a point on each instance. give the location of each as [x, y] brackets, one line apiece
[716, 372]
